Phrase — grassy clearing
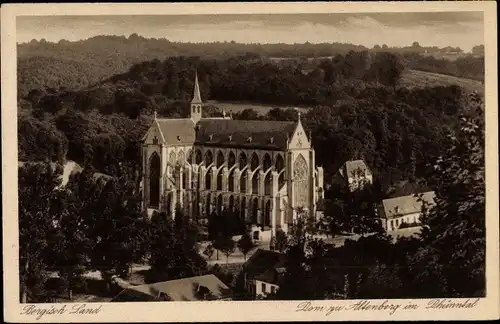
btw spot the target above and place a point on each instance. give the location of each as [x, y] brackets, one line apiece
[421, 79]
[236, 107]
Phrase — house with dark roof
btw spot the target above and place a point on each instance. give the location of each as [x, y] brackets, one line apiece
[264, 272]
[263, 170]
[395, 212]
[200, 288]
[353, 175]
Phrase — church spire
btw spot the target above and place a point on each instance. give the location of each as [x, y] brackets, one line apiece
[196, 93]
[196, 113]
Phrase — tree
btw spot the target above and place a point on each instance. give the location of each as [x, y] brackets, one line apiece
[39, 140]
[38, 208]
[281, 241]
[226, 245]
[295, 285]
[112, 227]
[302, 229]
[209, 251]
[453, 235]
[383, 281]
[221, 227]
[70, 243]
[174, 251]
[297, 280]
[245, 244]
[334, 220]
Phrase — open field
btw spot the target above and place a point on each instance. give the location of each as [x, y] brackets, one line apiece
[420, 79]
[236, 107]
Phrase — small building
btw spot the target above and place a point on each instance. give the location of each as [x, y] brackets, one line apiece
[394, 212]
[200, 288]
[263, 272]
[353, 175]
[269, 282]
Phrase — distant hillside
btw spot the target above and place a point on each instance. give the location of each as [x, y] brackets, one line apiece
[76, 65]
[420, 79]
[44, 64]
[53, 72]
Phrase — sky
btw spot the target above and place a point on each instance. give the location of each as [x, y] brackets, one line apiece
[462, 29]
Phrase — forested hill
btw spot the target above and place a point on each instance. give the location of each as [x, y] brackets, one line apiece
[104, 56]
[79, 64]
[358, 108]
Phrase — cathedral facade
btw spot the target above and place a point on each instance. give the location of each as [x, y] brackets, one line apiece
[262, 170]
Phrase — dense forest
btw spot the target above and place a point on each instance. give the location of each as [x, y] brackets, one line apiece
[356, 110]
[73, 65]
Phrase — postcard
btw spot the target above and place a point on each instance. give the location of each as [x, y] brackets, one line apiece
[189, 162]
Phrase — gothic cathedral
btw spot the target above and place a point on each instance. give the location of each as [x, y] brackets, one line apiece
[263, 170]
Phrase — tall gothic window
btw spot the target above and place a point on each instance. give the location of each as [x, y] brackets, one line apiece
[301, 183]
[255, 162]
[208, 158]
[243, 182]
[230, 181]
[208, 179]
[184, 179]
[243, 160]
[268, 184]
[280, 164]
[231, 159]
[220, 159]
[255, 209]
[198, 157]
[154, 180]
[219, 179]
[267, 215]
[255, 183]
[267, 162]
[181, 157]
[171, 158]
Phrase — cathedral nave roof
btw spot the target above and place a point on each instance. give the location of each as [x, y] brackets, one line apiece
[178, 130]
[244, 133]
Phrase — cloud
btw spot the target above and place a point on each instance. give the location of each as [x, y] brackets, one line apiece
[394, 29]
[361, 22]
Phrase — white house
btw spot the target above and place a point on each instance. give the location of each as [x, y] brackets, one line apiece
[394, 212]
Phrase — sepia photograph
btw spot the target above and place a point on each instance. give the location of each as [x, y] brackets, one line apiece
[328, 156]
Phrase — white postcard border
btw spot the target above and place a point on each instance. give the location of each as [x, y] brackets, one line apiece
[486, 308]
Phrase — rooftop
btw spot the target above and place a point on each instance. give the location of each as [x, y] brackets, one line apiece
[207, 287]
[177, 130]
[405, 205]
[351, 167]
[244, 133]
[262, 261]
